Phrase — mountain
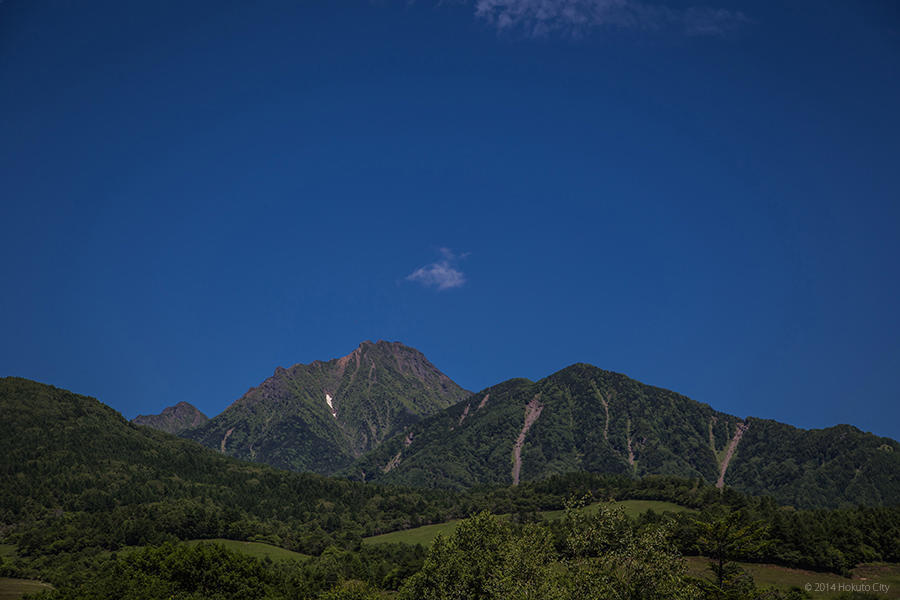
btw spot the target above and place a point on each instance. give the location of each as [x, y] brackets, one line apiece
[321, 416]
[76, 475]
[174, 419]
[586, 419]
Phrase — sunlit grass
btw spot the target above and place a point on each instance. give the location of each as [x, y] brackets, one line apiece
[12, 589]
[785, 578]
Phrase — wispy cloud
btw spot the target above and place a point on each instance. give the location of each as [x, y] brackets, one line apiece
[441, 274]
[539, 18]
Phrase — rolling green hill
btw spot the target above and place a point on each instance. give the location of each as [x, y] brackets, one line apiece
[321, 416]
[586, 419]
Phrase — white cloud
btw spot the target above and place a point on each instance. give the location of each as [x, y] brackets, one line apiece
[441, 274]
[538, 18]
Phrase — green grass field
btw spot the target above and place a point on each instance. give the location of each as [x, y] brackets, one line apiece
[254, 549]
[12, 589]
[828, 583]
[425, 535]
[418, 535]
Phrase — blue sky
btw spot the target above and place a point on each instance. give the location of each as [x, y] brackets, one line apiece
[704, 196]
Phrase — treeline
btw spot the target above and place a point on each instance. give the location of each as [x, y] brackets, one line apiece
[212, 571]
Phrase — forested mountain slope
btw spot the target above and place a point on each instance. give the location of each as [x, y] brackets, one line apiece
[76, 474]
[585, 418]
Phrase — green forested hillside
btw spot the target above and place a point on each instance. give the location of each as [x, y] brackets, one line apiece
[594, 420]
[817, 467]
[76, 475]
[319, 417]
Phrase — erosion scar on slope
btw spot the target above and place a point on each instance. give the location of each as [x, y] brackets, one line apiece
[606, 423]
[392, 463]
[605, 404]
[628, 445]
[732, 446]
[532, 412]
[464, 414]
[225, 439]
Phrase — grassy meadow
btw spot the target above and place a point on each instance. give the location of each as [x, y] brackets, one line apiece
[786, 578]
[12, 589]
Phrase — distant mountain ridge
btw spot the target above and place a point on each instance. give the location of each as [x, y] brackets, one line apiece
[321, 416]
[583, 418]
[384, 413]
[174, 419]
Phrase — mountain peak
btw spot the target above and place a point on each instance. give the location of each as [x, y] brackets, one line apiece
[174, 419]
[326, 413]
[369, 346]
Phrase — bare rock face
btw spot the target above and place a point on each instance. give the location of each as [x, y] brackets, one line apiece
[174, 419]
[322, 415]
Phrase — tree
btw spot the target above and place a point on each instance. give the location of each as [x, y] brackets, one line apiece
[351, 589]
[459, 567]
[725, 536]
[528, 568]
[609, 559]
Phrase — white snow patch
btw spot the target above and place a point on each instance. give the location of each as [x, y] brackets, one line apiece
[328, 400]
